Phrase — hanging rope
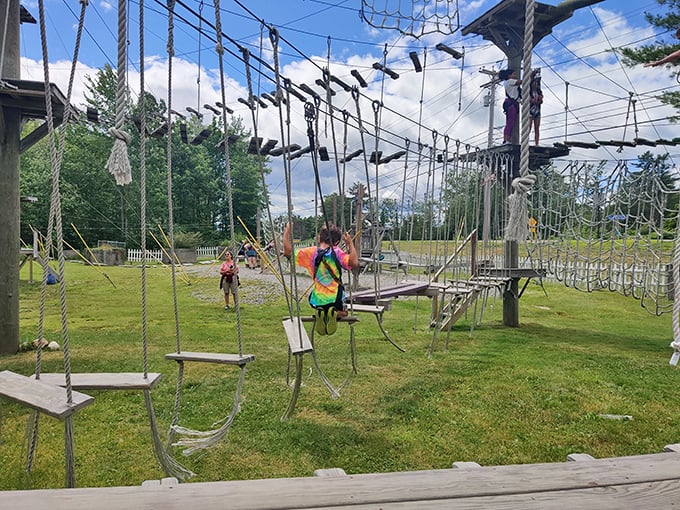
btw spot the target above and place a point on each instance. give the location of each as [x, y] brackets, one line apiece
[55, 222]
[675, 344]
[169, 465]
[517, 202]
[194, 440]
[118, 163]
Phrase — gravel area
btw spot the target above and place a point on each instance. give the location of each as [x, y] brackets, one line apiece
[261, 287]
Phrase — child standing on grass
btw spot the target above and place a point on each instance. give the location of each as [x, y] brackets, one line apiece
[229, 278]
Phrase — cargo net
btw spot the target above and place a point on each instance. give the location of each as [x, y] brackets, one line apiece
[596, 228]
[414, 18]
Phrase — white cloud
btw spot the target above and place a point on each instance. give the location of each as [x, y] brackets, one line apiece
[598, 98]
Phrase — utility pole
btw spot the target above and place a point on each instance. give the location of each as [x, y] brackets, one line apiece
[491, 85]
[486, 225]
[10, 146]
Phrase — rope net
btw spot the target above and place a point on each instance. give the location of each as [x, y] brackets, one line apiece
[412, 18]
[591, 225]
[600, 228]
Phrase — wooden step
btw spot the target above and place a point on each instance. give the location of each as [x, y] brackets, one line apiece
[41, 396]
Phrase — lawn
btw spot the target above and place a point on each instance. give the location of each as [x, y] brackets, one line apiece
[499, 396]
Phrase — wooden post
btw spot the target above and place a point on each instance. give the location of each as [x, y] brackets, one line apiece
[511, 292]
[10, 133]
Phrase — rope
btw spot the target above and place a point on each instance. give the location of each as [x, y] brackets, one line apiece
[118, 163]
[208, 439]
[518, 229]
[55, 222]
[169, 465]
[285, 139]
[675, 344]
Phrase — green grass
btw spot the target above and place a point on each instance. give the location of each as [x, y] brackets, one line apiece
[503, 396]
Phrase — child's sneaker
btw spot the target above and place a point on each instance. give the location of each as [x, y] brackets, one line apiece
[320, 321]
[331, 321]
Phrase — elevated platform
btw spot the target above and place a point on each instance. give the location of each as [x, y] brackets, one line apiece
[539, 156]
[644, 481]
[29, 97]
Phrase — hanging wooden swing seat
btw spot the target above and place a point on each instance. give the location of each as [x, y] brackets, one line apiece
[104, 380]
[211, 357]
[42, 396]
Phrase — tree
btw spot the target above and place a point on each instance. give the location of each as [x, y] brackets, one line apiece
[100, 209]
[650, 52]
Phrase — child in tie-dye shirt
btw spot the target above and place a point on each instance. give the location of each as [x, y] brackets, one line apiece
[325, 263]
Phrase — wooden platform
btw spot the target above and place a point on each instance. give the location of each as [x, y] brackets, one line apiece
[105, 380]
[644, 481]
[402, 289]
[211, 357]
[41, 396]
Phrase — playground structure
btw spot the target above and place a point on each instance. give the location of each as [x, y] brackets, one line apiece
[623, 251]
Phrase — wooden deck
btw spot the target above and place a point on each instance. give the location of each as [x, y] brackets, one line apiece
[644, 481]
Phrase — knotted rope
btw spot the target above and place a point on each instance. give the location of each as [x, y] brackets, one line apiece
[118, 163]
[517, 202]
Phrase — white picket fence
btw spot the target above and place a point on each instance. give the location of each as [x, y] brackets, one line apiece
[204, 252]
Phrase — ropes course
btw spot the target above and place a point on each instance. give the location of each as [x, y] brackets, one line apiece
[590, 225]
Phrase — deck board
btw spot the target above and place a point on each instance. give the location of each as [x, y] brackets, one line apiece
[408, 288]
[105, 380]
[644, 481]
[41, 396]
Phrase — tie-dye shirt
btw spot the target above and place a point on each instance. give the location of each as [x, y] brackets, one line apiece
[325, 289]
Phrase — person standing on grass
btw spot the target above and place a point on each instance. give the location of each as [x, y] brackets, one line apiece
[229, 278]
[325, 263]
[251, 256]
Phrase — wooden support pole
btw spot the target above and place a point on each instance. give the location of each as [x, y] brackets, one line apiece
[10, 132]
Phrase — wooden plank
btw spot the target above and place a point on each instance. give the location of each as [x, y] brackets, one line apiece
[41, 396]
[513, 272]
[105, 380]
[645, 481]
[211, 357]
[408, 288]
[375, 309]
[465, 465]
[298, 340]
[330, 472]
[579, 457]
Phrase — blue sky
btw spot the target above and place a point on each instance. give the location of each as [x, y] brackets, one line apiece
[319, 33]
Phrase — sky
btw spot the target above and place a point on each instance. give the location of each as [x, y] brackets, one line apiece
[588, 93]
